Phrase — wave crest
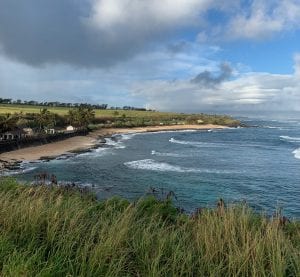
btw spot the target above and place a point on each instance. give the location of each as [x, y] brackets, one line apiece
[290, 139]
[149, 164]
[17, 171]
[195, 143]
[114, 143]
[297, 153]
[167, 154]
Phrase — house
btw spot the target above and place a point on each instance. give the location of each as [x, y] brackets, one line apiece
[199, 121]
[12, 135]
[70, 128]
[28, 132]
[50, 131]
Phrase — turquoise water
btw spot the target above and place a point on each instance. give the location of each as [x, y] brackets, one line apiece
[259, 165]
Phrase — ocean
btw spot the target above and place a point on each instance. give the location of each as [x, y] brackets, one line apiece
[259, 165]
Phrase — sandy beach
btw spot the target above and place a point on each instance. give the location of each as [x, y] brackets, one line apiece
[81, 143]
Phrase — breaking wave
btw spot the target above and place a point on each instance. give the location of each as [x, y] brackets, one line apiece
[149, 164]
[290, 139]
[195, 143]
[114, 143]
[297, 153]
[273, 127]
[128, 136]
[167, 154]
[17, 171]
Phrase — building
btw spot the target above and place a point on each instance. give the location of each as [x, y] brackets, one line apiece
[50, 131]
[12, 135]
[70, 128]
[28, 132]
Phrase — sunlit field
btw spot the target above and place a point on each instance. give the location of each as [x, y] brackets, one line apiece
[64, 110]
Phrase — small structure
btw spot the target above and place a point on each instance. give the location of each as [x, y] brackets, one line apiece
[12, 135]
[199, 121]
[70, 128]
[28, 132]
[50, 131]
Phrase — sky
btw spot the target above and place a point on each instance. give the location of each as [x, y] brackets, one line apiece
[234, 56]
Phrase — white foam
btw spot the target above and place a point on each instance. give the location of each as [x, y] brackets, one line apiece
[100, 150]
[273, 127]
[128, 136]
[169, 131]
[290, 139]
[297, 153]
[196, 143]
[149, 164]
[162, 154]
[17, 171]
[113, 143]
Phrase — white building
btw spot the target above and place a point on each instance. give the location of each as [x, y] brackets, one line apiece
[50, 131]
[70, 128]
[12, 135]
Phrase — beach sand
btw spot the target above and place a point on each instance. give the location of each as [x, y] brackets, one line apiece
[81, 143]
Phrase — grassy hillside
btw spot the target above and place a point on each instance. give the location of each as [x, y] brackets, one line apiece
[126, 118]
[5, 108]
[64, 232]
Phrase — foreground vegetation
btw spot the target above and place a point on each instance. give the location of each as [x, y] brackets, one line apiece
[66, 232]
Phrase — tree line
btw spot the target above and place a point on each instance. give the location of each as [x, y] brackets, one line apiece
[10, 101]
[80, 118]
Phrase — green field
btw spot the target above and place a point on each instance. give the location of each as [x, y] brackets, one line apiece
[125, 118]
[57, 231]
[5, 108]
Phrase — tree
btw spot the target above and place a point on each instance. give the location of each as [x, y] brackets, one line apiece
[81, 117]
[8, 122]
[45, 119]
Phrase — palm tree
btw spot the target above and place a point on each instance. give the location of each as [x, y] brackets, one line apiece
[8, 122]
[81, 117]
[87, 115]
[44, 119]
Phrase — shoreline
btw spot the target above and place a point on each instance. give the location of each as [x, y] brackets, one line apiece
[11, 159]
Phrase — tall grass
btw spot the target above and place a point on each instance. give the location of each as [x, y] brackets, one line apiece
[61, 232]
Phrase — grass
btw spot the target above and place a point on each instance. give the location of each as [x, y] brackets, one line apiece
[62, 232]
[127, 118]
[8, 108]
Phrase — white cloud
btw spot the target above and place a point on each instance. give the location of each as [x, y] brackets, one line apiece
[137, 15]
[247, 92]
[254, 20]
[297, 65]
[264, 19]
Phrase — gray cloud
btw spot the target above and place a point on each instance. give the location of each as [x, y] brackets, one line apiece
[100, 33]
[178, 47]
[89, 33]
[41, 31]
[208, 79]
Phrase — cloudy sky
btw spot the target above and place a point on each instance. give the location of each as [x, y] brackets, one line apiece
[175, 55]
